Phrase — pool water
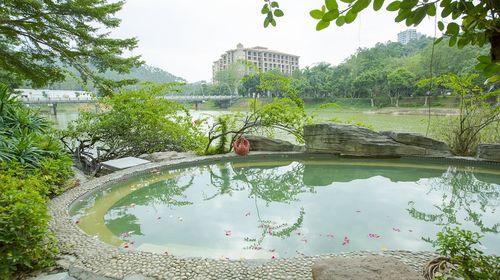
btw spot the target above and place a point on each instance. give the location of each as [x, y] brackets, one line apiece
[277, 208]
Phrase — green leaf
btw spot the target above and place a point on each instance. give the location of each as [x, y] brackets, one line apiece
[401, 16]
[438, 40]
[484, 59]
[493, 79]
[491, 69]
[340, 21]
[331, 5]
[440, 25]
[394, 6]
[408, 4]
[453, 41]
[348, 1]
[266, 22]
[278, 13]
[265, 9]
[377, 4]
[275, 4]
[462, 42]
[360, 5]
[452, 28]
[350, 16]
[446, 11]
[322, 25]
[316, 14]
[418, 15]
[273, 22]
[331, 15]
[431, 10]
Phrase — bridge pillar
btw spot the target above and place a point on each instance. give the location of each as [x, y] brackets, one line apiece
[196, 106]
[54, 109]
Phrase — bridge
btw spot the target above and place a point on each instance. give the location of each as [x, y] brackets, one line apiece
[224, 100]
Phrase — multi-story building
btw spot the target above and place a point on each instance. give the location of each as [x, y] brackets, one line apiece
[263, 59]
[406, 36]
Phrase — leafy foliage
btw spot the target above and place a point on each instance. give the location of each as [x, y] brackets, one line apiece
[283, 114]
[39, 38]
[33, 167]
[461, 247]
[25, 240]
[464, 22]
[463, 133]
[132, 123]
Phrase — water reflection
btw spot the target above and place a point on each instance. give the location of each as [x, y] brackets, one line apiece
[463, 198]
[219, 209]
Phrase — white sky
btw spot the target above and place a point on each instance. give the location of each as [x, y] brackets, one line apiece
[184, 37]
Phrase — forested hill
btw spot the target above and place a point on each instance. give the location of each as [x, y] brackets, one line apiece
[385, 69]
[143, 73]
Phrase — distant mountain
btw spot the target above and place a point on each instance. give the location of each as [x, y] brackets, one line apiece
[144, 73]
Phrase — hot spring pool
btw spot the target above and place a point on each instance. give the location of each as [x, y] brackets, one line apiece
[287, 207]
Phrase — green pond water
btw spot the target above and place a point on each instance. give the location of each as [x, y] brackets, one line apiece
[275, 208]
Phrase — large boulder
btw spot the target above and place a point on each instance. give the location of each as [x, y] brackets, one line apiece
[351, 140]
[367, 268]
[432, 147]
[489, 152]
[259, 143]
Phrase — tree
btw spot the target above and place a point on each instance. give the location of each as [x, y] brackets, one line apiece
[132, 123]
[230, 77]
[399, 81]
[372, 82]
[39, 39]
[465, 22]
[464, 132]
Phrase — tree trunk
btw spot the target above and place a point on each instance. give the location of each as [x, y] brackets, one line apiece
[372, 103]
[494, 37]
[425, 101]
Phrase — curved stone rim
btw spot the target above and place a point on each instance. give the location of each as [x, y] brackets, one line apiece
[94, 257]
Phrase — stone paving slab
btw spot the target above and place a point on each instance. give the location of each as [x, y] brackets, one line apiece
[363, 267]
[123, 163]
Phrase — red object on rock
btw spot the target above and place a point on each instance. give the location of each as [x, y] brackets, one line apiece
[241, 146]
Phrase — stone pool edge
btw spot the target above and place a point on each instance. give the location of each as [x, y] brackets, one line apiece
[93, 259]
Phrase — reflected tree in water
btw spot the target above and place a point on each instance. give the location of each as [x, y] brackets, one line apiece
[221, 179]
[168, 192]
[124, 222]
[461, 192]
[266, 184]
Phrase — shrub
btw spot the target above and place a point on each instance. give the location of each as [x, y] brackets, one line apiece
[33, 166]
[461, 247]
[133, 123]
[464, 132]
[25, 240]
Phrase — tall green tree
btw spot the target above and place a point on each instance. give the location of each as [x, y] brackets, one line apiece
[400, 81]
[40, 38]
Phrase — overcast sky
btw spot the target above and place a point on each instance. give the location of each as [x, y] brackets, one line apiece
[184, 37]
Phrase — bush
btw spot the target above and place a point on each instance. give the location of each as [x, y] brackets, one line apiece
[461, 247]
[464, 132]
[25, 240]
[134, 123]
[33, 166]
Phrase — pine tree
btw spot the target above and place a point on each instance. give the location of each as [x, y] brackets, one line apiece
[39, 39]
